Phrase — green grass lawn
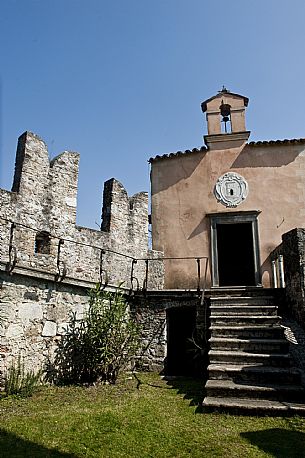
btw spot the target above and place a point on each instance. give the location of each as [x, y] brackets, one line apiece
[146, 418]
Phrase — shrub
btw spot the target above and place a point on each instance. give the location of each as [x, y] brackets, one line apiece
[97, 348]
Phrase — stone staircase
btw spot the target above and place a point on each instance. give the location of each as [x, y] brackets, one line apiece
[250, 370]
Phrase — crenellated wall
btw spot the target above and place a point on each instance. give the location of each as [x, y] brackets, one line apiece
[44, 198]
[39, 288]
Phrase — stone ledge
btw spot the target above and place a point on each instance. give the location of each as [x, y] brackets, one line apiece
[44, 275]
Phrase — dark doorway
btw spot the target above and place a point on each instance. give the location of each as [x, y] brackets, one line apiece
[235, 254]
[181, 323]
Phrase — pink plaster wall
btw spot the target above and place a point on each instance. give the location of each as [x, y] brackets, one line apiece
[182, 195]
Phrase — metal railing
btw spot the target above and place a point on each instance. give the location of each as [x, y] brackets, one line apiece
[197, 259]
[60, 274]
[135, 284]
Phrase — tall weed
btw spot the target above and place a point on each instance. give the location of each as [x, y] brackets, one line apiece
[20, 382]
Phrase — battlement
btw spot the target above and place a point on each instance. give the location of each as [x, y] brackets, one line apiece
[47, 262]
[44, 237]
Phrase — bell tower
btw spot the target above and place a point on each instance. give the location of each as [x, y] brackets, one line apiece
[225, 115]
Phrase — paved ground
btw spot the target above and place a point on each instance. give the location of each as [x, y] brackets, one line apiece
[296, 336]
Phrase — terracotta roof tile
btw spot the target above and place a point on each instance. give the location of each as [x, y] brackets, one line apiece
[178, 153]
[277, 142]
[204, 148]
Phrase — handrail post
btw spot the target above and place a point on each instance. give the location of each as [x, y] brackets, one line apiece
[101, 268]
[132, 278]
[204, 305]
[11, 248]
[198, 274]
[204, 280]
[146, 276]
[58, 274]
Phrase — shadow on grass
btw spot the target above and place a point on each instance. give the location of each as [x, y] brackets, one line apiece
[191, 388]
[12, 446]
[278, 442]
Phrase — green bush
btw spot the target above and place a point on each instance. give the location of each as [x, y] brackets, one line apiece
[97, 348]
[20, 382]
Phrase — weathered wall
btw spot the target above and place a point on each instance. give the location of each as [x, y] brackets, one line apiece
[38, 290]
[44, 199]
[182, 195]
[152, 310]
[37, 312]
[293, 251]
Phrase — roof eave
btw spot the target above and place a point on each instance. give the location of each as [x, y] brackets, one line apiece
[204, 104]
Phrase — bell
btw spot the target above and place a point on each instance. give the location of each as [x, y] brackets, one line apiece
[225, 110]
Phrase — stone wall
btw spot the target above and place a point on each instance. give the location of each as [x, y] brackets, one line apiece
[152, 310]
[43, 200]
[47, 262]
[293, 251]
[37, 310]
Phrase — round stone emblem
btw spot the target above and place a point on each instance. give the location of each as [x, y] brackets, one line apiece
[231, 189]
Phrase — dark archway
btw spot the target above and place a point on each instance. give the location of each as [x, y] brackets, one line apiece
[181, 325]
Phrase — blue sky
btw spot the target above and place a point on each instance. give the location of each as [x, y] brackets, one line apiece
[120, 81]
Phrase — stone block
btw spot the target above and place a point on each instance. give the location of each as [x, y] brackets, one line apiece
[49, 329]
[14, 331]
[30, 312]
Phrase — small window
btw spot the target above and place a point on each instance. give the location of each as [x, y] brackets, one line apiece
[42, 243]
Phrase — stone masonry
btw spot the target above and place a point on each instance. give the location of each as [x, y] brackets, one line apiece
[47, 262]
[292, 249]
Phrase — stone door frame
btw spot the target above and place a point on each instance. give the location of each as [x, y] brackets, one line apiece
[234, 218]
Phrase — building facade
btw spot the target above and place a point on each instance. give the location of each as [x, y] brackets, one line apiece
[229, 201]
[222, 216]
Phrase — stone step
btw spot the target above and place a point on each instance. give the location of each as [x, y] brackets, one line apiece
[240, 357]
[251, 406]
[250, 367]
[255, 374]
[250, 345]
[242, 300]
[247, 320]
[259, 331]
[277, 392]
[242, 291]
[216, 310]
